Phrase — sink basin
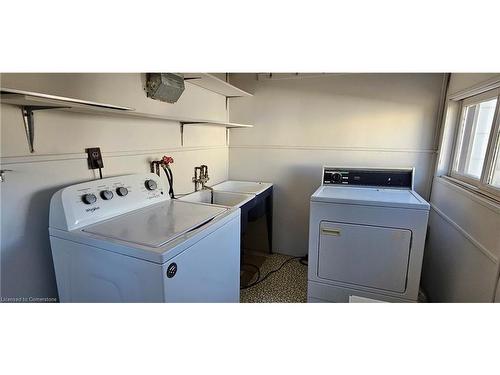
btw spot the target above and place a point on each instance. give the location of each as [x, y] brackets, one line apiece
[254, 199]
[221, 198]
[244, 187]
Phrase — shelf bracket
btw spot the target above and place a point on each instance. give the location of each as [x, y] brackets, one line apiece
[29, 122]
[182, 129]
[2, 174]
[182, 134]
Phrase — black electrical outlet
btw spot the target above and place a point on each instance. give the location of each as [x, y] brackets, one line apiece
[94, 158]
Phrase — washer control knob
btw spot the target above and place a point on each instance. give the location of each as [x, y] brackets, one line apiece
[151, 184]
[336, 178]
[89, 198]
[106, 195]
[122, 191]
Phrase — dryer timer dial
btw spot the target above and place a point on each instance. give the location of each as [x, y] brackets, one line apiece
[336, 178]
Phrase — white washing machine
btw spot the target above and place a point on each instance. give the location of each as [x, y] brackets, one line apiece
[122, 239]
[366, 236]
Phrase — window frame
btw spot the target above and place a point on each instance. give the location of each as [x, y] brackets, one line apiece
[480, 184]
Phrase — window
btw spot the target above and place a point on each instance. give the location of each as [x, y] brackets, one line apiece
[495, 170]
[476, 159]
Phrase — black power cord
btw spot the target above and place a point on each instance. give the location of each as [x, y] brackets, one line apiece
[259, 280]
[170, 178]
[255, 267]
[304, 260]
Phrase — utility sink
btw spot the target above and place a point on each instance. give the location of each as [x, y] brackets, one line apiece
[254, 199]
[244, 187]
[221, 198]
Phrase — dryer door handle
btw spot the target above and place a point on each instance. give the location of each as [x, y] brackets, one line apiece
[330, 232]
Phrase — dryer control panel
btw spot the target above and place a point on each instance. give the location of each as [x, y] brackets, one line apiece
[397, 178]
[89, 202]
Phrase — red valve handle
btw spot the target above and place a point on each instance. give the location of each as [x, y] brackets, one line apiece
[167, 160]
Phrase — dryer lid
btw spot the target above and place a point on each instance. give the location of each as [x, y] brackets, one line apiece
[156, 225]
[400, 198]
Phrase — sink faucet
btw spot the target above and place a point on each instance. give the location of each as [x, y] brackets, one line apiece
[201, 178]
[204, 179]
[197, 178]
[204, 176]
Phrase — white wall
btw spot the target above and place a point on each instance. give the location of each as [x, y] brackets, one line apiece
[376, 120]
[461, 261]
[128, 144]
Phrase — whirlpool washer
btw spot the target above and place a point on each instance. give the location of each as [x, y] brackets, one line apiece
[122, 239]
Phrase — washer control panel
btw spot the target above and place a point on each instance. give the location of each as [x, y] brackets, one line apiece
[399, 178]
[95, 200]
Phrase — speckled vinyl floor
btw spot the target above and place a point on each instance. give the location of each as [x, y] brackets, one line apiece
[287, 285]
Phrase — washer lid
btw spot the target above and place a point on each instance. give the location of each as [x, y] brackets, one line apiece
[402, 198]
[156, 225]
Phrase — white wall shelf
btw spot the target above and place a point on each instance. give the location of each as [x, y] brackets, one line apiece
[29, 102]
[215, 84]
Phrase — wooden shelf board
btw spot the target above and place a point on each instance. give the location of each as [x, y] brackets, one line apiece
[26, 98]
[31, 99]
[212, 83]
[187, 120]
